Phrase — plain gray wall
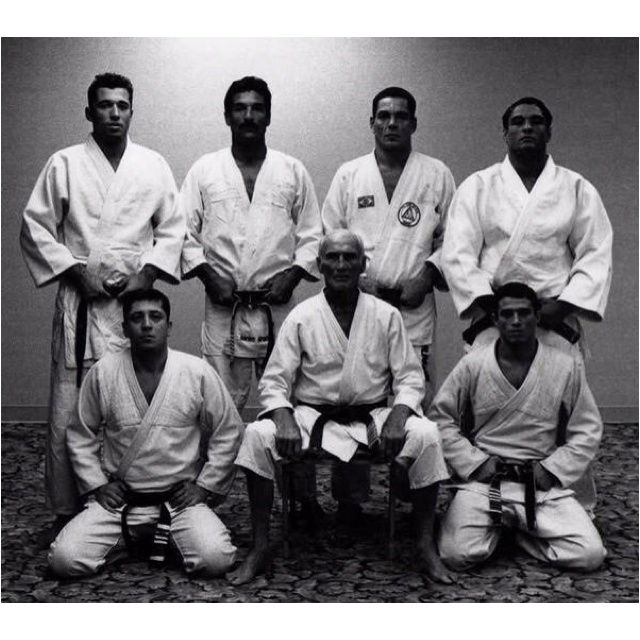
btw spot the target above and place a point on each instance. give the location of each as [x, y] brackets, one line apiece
[322, 90]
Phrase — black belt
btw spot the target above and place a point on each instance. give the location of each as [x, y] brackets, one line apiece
[514, 472]
[390, 294]
[252, 299]
[163, 527]
[81, 338]
[563, 330]
[343, 414]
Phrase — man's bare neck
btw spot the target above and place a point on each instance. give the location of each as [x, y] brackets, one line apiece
[390, 159]
[528, 167]
[113, 152]
[150, 362]
[523, 353]
[249, 155]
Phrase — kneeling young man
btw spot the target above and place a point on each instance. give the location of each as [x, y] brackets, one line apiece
[136, 451]
[337, 358]
[518, 425]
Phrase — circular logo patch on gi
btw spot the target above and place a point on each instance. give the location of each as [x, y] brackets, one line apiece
[409, 214]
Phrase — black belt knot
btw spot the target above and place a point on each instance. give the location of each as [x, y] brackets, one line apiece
[163, 527]
[514, 472]
[252, 299]
[343, 414]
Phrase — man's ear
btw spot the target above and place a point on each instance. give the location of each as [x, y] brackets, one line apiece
[227, 119]
[494, 318]
[371, 121]
[169, 327]
[125, 330]
[87, 114]
[319, 263]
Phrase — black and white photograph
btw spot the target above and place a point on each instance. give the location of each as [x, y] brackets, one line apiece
[320, 320]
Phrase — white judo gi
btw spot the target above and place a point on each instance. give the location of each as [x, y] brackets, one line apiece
[314, 362]
[551, 418]
[190, 404]
[556, 239]
[81, 211]
[248, 242]
[399, 236]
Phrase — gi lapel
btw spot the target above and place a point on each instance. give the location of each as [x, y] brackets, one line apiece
[148, 413]
[393, 206]
[516, 397]
[527, 202]
[353, 349]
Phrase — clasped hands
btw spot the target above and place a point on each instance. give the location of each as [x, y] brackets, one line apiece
[112, 495]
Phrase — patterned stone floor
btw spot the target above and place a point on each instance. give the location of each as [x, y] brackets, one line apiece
[335, 565]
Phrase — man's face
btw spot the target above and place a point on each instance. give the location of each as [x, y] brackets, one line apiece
[516, 320]
[110, 114]
[341, 265]
[147, 326]
[393, 125]
[527, 131]
[247, 116]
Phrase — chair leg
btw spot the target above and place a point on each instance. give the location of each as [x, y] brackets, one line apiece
[284, 490]
[391, 514]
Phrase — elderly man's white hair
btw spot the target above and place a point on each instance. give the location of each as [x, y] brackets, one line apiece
[341, 235]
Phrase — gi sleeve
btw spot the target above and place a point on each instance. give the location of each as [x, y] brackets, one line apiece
[276, 384]
[583, 431]
[334, 208]
[591, 242]
[461, 248]
[308, 225]
[408, 381]
[447, 190]
[168, 227]
[45, 255]
[84, 435]
[191, 206]
[447, 411]
[220, 418]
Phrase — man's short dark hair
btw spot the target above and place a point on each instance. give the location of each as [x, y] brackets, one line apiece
[140, 295]
[394, 92]
[248, 83]
[548, 118]
[108, 81]
[515, 290]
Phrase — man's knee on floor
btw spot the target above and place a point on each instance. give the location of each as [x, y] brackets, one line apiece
[458, 554]
[65, 561]
[213, 561]
[587, 556]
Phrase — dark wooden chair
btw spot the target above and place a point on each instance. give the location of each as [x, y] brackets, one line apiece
[363, 455]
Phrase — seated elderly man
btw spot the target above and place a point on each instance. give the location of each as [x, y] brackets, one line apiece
[337, 358]
[144, 417]
[518, 425]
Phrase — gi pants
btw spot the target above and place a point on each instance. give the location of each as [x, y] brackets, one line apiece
[421, 454]
[565, 535]
[94, 539]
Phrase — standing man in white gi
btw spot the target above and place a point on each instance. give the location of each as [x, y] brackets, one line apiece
[519, 426]
[337, 358]
[143, 414]
[102, 220]
[528, 219]
[396, 200]
[253, 228]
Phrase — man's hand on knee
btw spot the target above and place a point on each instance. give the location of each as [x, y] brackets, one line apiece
[486, 471]
[111, 496]
[393, 432]
[188, 494]
[288, 438]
